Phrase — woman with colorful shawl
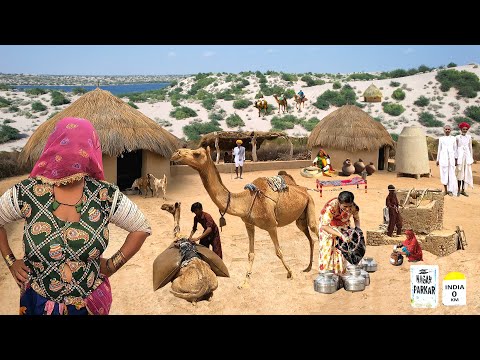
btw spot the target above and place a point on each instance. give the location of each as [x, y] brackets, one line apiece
[334, 218]
[322, 160]
[67, 205]
[410, 247]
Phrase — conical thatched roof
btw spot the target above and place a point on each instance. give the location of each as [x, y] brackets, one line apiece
[349, 128]
[119, 126]
[226, 139]
[372, 91]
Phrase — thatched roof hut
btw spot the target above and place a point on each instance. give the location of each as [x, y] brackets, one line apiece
[372, 94]
[349, 132]
[132, 143]
[225, 140]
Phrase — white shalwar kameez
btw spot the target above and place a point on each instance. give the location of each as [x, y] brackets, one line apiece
[446, 155]
[465, 159]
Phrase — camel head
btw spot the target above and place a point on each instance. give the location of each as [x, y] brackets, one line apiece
[171, 207]
[197, 159]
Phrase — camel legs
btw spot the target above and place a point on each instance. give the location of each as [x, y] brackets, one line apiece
[251, 253]
[278, 250]
[303, 225]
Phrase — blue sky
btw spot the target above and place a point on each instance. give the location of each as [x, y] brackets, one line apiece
[192, 59]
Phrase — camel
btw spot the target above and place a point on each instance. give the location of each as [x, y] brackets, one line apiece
[262, 208]
[261, 105]
[195, 281]
[299, 102]
[281, 103]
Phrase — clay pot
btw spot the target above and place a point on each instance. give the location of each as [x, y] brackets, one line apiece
[370, 168]
[359, 166]
[347, 169]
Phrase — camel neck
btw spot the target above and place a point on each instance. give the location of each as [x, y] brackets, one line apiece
[219, 193]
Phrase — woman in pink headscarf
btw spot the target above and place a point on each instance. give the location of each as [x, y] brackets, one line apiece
[67, 205]
[410, 247]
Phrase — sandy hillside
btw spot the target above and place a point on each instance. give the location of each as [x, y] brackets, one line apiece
[443, 105]
[270, 291]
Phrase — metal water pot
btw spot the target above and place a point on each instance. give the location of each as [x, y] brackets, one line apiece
[366, 276]
[326, 282]
[368, 264]
[354, 281]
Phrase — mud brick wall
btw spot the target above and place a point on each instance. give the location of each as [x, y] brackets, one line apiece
[424, 218]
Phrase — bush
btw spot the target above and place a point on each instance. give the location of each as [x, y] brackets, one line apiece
[465, 82]
[362, 76]
[285, 122]
[217, 116]
[392, 109]
[38, 106]
[194, 131]
[336, 85]
[225, 95]
[5, 87]
[175, 103]
[310, 123]
[311, 82]
[209, 103]
[289, 77]
[259, 95]
[346, 96]
[36, 91]
[394, 84]
[8, 133]
[473, 112]
[182, 113]
[241, 104]
[460, 119]
[132, 104]
[424, 68]
[422, 101]
[234, 120]
[394, 136]
[78, 91]
[398, 94]
[58, 98]
[452, 64]
[200, 84]
[4, 102]
[428, 120]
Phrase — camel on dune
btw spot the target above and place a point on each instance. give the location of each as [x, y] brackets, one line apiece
[282, 104]
[261, 105]
[299, 102]
[261, 207]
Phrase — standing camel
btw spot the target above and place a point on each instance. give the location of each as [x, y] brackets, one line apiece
[281, 103]
[299, 102]
[263, 207]
[261, 105]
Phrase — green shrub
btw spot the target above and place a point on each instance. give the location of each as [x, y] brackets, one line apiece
[465, 82]
[424, 68]
[259, 95]
[58, 98]
[132, 104]
[5, 87]
[195, 130]
[452, 64]
[394, 84]
[78, 91]
[428, 120]
[289, 77]
[310, 123]
[473, 112]
[8, 133]
[346, 96]
[290, 93]
[183, 112]
[394, 136]
[38, 106]
[209, 103]
[36, 91]
[13, 108]
[311, 82]
[393, 109]
[200, 84]
[422, 101]
[362, 76]
[336, 85]
[225, 95]
[398, 94]
[460, 119]
[217, 116]
[234, 120]
[241, 104]
[4, 102]
[52, 114]
[175, 103]
[285, 122]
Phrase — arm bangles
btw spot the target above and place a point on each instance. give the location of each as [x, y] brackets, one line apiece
[10, 259]
[118, 259]
[108, 268]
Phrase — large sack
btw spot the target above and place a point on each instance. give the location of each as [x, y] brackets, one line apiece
[166, 267]
[216, 263]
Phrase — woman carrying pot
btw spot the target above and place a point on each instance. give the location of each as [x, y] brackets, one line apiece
[335, 218]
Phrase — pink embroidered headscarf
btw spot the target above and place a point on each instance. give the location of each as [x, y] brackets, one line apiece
[72, 151]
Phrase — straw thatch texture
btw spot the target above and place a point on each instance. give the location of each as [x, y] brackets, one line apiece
[119, 126]
[349, 128]
[372, 91]
[226, 139]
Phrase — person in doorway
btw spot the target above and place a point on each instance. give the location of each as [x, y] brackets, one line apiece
[210, 235]
[447, 161]
[464, 159]
[239, 157]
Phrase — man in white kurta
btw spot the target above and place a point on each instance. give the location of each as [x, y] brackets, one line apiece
[464, 159]
[239, 154]
[447, 160]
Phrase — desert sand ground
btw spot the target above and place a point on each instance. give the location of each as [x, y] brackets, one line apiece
[270, 291]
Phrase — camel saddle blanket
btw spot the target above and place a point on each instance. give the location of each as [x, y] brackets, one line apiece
[353, 181]
[277, 183]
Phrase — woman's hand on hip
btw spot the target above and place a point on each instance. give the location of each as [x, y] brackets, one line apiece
[20, 271]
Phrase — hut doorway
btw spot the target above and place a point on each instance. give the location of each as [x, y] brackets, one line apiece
[381, 160]
[129, 168]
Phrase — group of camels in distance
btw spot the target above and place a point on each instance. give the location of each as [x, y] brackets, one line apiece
[262, 104]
